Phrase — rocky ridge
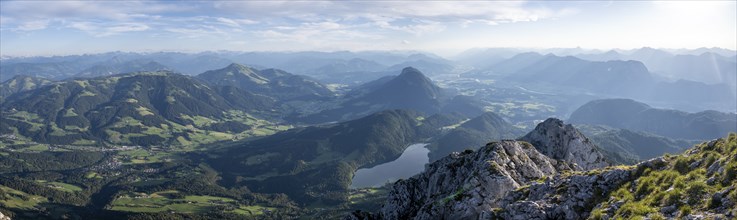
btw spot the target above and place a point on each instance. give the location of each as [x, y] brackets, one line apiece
[512, 180]
[564, 142]
[698, 184]
[468, 184]
[472, 185]
[568, 196]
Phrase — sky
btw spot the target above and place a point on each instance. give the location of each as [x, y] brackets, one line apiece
[29, 28]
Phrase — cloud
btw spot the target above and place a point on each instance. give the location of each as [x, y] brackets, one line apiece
[318, 23]
[33, 25]
[414, 17]
[83, 26]
[122, 28]
[116, 10]
[229, 22]
[102, 30]
[415, 28]
[434, 11]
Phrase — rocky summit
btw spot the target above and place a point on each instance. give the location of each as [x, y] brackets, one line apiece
[564, 142]
[472, 185]
[513, 180]
[468, 184]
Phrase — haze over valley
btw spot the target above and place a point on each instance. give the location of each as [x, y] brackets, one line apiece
[368, 110]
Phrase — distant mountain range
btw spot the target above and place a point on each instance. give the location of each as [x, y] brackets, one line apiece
[637, 116]
[116, 66]
[275, 83]
[411, 89]
[683, 79]
[353, 71]
[281, 135]
[147, 108]
[707, 66]
[332, 67]
[613, 78]
[166, 108]
[629, 147]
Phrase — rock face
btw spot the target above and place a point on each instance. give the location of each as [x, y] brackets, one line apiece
[468, 185]
[698, 184]
[3, 217]
[571, 197]
[563, 142]
[474, 185]
[513, 180]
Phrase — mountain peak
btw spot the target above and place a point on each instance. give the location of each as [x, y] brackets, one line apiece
[270, 82]
[551, 123]
[610, 112]
[411, 72]
[562, 141]
[413, 81]
[237, 66]
[411, 77]
[485, 122]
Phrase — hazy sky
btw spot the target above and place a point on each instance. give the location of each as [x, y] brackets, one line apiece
[68, 27]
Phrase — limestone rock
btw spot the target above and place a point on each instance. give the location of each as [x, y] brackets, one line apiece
[467, 185]
[564, 142]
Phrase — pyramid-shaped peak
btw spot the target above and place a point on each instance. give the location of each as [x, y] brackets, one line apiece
[551, 123]
[562, 141]
[411, 72]
[237, 66]
[240, 68]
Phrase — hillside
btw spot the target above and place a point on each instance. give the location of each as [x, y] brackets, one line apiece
[636, 116]
[148, 108]
[699, 183]
[473, 133]
[629, 147]
[20, 83]
[315, 164]
[274, 83]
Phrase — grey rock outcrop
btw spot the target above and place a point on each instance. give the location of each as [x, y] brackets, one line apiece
[3, 217]
[569, 197]
[467, 185]
[475, 185]
[512, 180]
[564, 142]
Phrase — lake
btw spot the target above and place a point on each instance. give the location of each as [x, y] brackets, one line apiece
[411, 162]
